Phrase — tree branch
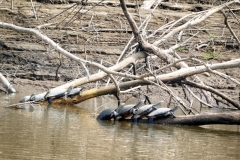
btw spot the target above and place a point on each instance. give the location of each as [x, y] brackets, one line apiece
[207, 88]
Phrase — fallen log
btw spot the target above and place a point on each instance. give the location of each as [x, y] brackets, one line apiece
[95, 92]
[231, 118]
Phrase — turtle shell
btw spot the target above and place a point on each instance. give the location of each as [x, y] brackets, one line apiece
[37, 97]
[57, 93]
[159, 112]
[25, 99]
[107, 114]
[145, 110]
[162, 112]
[74, 92]
[127, 110]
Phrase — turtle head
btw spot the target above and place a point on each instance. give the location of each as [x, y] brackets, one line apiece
[138, 105]
[155, 106]
[119, 107]
[45, 96]
[175, 108]
[80, 89]
[115, 113]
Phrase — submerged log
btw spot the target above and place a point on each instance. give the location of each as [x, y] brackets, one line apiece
[201, 119]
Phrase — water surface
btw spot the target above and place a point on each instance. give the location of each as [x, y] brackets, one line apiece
[70, 132]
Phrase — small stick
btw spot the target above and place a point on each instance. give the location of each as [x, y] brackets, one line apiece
[169, 102]
[11, 4]
[34, 11]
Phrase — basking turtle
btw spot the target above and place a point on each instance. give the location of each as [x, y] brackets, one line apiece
[38, 97]
[107, 114]
[26, 99]
[161, 112]
[74, 92]
[127, 110]
[144, 111]
[62, 92]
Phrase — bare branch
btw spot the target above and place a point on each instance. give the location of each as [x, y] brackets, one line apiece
[229, 27]
[130, 19]
[131, 89]
[34, 11]
[115, 83]
[46, 25]
[195, 96]
[207, 88]
[197, 20]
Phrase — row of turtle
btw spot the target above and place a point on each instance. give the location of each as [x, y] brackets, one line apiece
[70, 92]
[136, 112]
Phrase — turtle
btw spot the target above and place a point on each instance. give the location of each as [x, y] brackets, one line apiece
[37, 97]
[127, 110]
[107, 114]
[62, 92]
[25, 99]
[144, 111]
[74, 92]
[161, 112]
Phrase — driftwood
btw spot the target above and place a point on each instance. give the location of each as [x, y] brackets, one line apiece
[201, 119]
[6, 84]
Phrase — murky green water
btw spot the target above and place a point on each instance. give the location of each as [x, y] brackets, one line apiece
[61, 132]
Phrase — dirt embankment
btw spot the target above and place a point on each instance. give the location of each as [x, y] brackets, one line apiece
[97, 33]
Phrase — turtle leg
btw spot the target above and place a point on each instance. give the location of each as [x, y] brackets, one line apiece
[171, 113]
[135, 119]
[49, 99]
[117, 118]
[150, 120]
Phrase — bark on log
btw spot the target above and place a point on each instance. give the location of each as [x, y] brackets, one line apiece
[201, 119]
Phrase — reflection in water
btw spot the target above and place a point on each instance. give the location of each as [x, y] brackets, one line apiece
[68, 132]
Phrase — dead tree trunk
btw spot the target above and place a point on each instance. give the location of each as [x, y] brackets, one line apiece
[201, 119]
